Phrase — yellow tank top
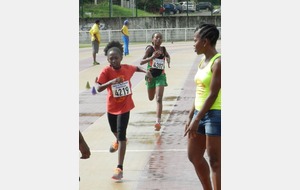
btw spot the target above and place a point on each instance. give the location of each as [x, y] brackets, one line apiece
[203, 80]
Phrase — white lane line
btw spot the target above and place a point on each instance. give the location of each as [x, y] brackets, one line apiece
[161, 150]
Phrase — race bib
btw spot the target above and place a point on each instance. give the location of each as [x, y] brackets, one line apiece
[121, 89]
[158, 64]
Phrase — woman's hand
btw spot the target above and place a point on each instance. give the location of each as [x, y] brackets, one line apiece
[191, 129]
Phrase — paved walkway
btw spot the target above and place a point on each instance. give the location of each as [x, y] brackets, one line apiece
[153, 160]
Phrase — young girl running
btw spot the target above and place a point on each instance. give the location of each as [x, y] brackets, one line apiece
[155, 56]
[116, 79]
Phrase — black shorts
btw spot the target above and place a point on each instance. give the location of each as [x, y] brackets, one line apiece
[118, 124]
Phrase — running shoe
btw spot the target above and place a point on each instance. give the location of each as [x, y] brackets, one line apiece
[118, 174]
[157, 126]
[114, 147]
[96, 63]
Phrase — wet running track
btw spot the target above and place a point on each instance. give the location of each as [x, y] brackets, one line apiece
[153, 160]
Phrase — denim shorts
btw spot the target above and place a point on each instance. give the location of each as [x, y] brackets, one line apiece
[210, 124]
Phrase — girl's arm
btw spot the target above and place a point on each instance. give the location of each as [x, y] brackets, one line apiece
[122, 30]
[168, 57]
[83, 147]
[146, 59]
[100, 87]
[148, 73]
[140, 69]
[190, 117]
[215, 87]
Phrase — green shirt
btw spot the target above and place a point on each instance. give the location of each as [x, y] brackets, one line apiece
[203, 80]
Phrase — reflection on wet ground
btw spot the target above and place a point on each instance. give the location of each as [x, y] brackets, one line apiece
[170, 98]
[168, 162]
[91, 114]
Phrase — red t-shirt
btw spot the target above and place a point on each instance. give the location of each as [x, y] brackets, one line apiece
[119, 96]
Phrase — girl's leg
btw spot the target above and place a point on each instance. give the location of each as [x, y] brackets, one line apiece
[214, 154]
[196, 149]
[151, 88]
[122, 123]
[159, 106]
[112, 120]
[121, 153]
[151, 93]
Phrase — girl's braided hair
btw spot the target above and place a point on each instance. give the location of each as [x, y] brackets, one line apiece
[208, 31]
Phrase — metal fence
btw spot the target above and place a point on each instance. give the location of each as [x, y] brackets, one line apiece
[142, 35]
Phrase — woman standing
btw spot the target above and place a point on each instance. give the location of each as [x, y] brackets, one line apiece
[204, 121]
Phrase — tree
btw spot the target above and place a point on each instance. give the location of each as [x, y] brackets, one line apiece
[149, 5]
